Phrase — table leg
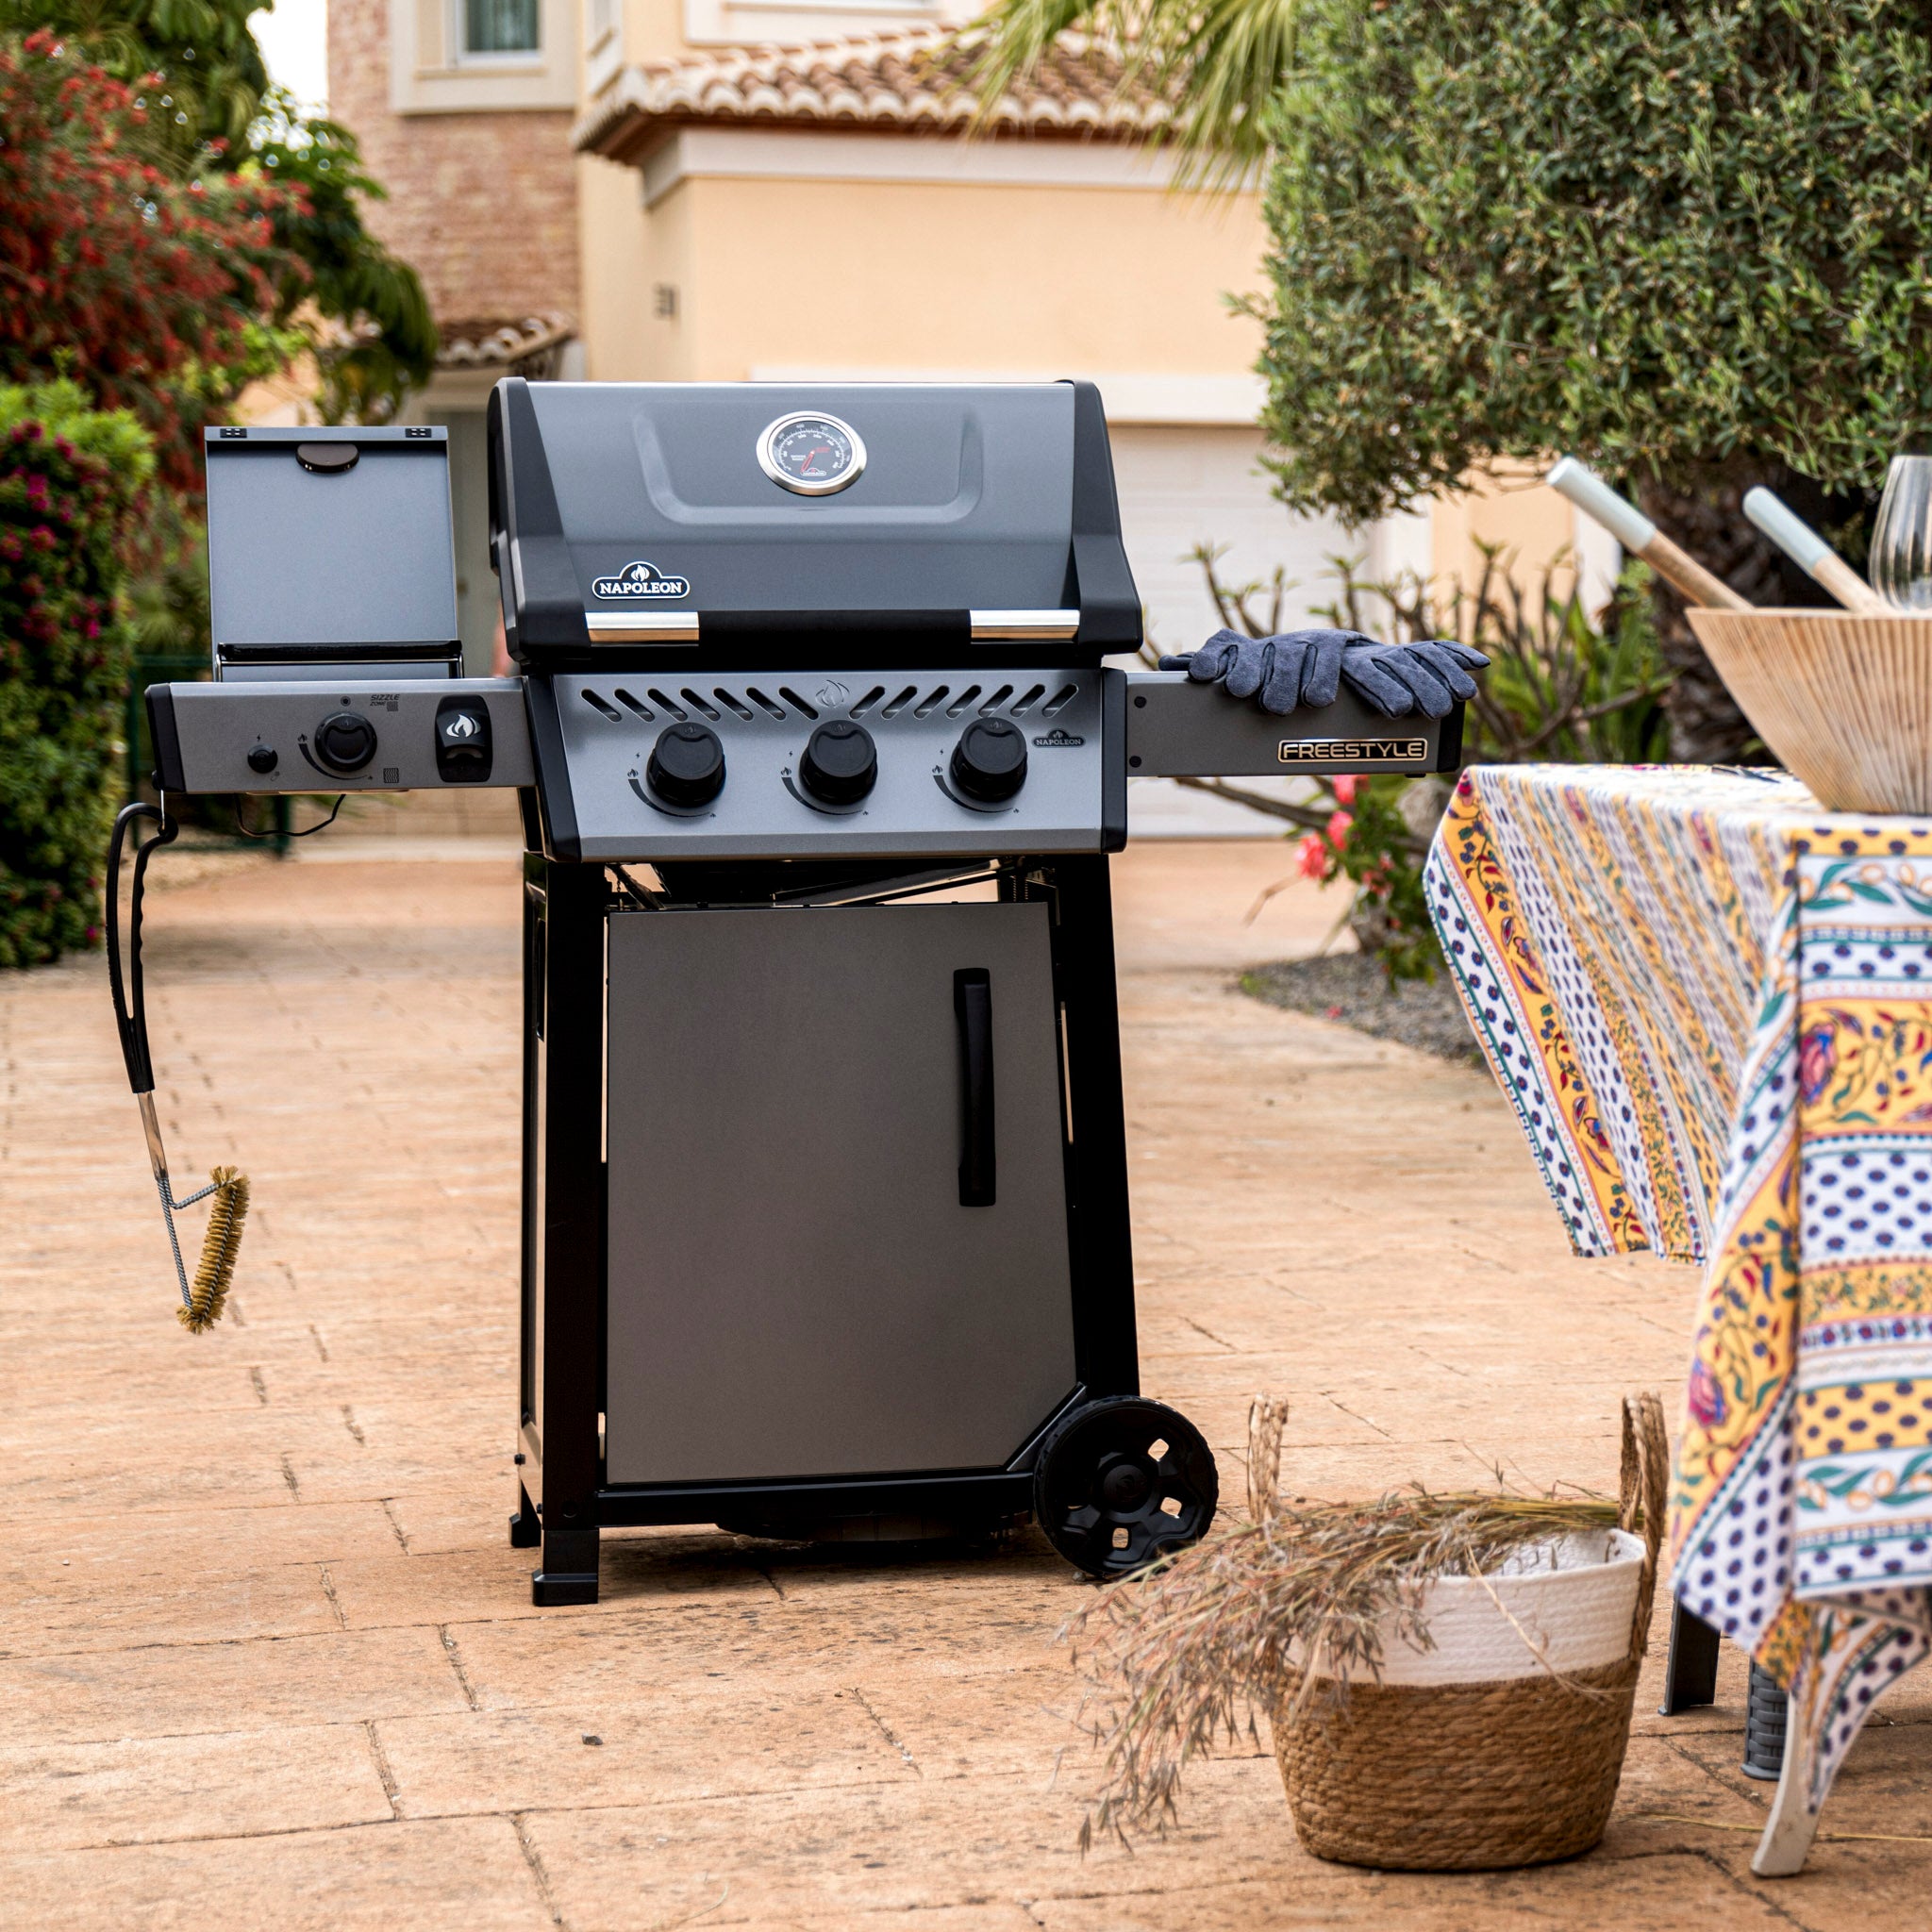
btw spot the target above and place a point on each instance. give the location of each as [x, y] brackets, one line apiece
[1690, 1669]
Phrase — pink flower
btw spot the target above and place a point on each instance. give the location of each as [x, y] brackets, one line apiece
[1817, 1061]
[1706, 1398]
[1311, 857]
[1336, 831]
[1347, 786]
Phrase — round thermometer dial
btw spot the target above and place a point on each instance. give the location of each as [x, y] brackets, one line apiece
[811, 455]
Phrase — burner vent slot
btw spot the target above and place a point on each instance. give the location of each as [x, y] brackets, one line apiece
[868, 701]
[1059, 700]
[631, 704]
[1028, 700]
[699, 704]
[762, 701]
[932, 700]
[664, 704]
[797, 703]
[734, 705]
[604, 707]
[997, 699]
[964, 699]
[900, 702]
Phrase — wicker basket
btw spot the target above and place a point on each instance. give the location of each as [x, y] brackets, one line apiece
[1845, 701]
[1432, 1769]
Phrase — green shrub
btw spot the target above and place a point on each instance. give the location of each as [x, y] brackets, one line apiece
[1664, 231]
[70, 476]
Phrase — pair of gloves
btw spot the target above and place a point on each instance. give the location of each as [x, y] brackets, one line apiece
[1303, 669]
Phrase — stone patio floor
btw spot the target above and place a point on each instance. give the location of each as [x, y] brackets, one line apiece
[266, 1658]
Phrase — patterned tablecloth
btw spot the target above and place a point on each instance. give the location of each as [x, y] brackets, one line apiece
[1711, 1004]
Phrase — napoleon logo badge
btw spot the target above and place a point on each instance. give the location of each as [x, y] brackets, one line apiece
[640, 580]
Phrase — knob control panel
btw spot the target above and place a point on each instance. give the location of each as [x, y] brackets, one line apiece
[989, 763]
[344, 741]
[686, 766]
[295, 735]
[951, 763]
[841, 764]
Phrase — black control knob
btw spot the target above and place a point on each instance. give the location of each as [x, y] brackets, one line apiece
[839, 765]
[687, 765]
[990, 760]
[345, 741]
[262, 758]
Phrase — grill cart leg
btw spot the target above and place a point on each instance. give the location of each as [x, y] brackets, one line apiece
[563, 1178]
[1106, 1351]
[525, 1530]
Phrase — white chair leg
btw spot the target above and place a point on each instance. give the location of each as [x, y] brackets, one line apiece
[1787, 1833]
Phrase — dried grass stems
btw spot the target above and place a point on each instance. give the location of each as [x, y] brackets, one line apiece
[1186, 1652]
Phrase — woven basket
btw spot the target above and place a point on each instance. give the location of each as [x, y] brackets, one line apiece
[1508, 1770]
[1845, 701]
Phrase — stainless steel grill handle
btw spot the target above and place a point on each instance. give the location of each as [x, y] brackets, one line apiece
[681, 626]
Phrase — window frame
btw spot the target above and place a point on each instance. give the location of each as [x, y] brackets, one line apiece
[457, 28]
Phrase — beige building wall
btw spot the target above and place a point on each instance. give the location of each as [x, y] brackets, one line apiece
[1532, 529]
[849, 275]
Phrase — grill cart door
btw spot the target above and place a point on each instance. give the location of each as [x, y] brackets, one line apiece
[837, 1219]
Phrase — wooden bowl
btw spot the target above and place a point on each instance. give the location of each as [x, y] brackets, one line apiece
[1845, 701]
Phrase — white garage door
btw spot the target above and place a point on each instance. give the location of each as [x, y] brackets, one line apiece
[1184, 486]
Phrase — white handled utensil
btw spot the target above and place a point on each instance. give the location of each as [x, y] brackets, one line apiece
[1812, 553]
[1640, 537]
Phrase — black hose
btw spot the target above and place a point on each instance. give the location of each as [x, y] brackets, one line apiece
[130, 1015]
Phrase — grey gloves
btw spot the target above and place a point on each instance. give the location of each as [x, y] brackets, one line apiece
[1301, 670]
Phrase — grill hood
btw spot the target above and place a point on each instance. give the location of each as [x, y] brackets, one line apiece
[636, 524]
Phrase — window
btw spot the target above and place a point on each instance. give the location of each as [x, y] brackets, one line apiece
[500, 26]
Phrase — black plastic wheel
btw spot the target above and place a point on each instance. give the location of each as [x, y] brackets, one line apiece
[1123, 1481]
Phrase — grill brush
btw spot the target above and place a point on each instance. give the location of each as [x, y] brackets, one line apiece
[201, 1302]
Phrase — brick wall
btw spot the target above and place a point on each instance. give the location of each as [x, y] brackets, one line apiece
[483, 205]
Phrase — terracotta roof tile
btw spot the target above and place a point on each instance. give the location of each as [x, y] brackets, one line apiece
[915, 81]
[513, 342]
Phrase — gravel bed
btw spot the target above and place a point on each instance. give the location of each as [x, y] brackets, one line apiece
[1353, 989]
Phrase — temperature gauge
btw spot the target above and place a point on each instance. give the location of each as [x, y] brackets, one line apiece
[811, 455]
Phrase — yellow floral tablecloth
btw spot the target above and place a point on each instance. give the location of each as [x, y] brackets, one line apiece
[1710, 1003]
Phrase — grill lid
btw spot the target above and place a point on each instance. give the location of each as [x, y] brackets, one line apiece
[777, 523]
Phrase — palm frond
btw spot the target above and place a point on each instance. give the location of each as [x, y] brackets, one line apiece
[1217, 65]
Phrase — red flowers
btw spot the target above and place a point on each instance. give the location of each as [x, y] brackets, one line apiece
[109, 264]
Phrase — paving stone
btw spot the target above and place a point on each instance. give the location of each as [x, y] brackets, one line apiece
[909, 1847]
[227, 1785]
[344, 1676]
[468, 1874]
[650, 1747]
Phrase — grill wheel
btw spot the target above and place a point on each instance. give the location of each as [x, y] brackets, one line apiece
[1122, 1482]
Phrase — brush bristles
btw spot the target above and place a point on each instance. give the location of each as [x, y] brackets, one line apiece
[219, 1244]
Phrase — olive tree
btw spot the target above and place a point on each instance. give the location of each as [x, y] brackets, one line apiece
[1691, 240]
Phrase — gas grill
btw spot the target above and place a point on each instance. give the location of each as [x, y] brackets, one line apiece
[824, 1211]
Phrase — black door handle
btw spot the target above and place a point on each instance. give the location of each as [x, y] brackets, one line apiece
[973, 1008]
